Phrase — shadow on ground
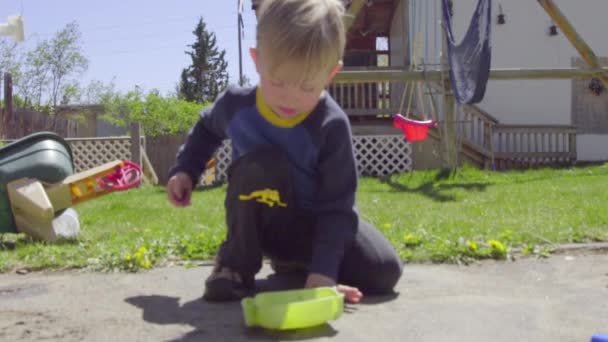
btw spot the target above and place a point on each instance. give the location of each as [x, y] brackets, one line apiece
[224, 321]
[434, 189]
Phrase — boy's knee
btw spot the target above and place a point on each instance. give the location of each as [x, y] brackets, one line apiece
[384, 277]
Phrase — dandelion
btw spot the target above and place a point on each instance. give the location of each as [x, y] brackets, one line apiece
[472, 246]
[411, 240]
[145, 264]
[142, 258]
[497, 249]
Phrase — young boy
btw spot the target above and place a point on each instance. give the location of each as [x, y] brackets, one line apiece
[292, 181]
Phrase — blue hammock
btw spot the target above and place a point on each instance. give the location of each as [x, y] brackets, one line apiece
[470, 60]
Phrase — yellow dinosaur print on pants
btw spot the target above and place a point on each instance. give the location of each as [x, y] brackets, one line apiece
[266, 196]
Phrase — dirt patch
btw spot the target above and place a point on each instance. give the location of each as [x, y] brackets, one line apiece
[34, 326]
[23, 290]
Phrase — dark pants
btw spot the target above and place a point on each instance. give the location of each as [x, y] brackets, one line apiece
[268, 228]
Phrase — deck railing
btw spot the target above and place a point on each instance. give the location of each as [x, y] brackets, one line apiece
[368, 98]
[477, 127]
[535, 144]
[499, 145]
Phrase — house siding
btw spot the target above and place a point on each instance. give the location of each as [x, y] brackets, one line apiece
[524, 42]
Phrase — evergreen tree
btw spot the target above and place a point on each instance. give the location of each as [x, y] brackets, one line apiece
[207, 76]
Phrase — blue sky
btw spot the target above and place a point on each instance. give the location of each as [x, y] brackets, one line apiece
[138, 42]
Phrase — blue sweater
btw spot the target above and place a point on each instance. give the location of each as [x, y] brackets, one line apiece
[318, 146]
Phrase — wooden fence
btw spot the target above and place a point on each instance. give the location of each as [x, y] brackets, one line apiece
[21, 123]
[161, 151]
[15, 123]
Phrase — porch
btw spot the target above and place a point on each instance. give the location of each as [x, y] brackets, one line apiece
[483, 140]
[377, 66]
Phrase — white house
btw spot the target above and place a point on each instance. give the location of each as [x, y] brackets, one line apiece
[525, 41]
[528, 117]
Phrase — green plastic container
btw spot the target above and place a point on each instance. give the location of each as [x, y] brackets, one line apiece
[293, 309]
[44, 156]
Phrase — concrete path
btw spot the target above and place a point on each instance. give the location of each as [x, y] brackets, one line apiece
[563, 298]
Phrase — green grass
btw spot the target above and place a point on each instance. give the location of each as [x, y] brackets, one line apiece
[427, 217]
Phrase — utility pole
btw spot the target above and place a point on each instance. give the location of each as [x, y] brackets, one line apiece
[239, 23]
[8, 119]
[449, 140]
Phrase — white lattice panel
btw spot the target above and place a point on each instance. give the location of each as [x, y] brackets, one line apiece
[223, 157]
[382, 155]
[91, 152]
[375, 155]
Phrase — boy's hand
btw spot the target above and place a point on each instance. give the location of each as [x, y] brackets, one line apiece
[179, 189]
[351, 294]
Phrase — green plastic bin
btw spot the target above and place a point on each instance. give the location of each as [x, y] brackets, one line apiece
[44, 156]
[293, 309]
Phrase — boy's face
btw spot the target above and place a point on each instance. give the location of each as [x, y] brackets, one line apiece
[288, 99]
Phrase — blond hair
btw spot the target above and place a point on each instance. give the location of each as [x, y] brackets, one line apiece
[306, 35]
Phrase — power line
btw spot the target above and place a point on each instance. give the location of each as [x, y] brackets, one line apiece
[135, 38]
[144, 23]
[156, 22]
[142, 37]
[132, 51]
[139, 50]
[210, 28]
[184, 46]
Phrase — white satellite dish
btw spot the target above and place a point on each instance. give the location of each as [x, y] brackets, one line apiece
[13, 28]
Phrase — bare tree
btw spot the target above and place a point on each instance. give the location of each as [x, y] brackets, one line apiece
[48, 74]
[65, 59]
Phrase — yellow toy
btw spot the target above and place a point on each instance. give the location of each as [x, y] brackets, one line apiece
[35, 204]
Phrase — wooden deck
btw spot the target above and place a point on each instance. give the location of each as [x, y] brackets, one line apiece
[484, 140]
